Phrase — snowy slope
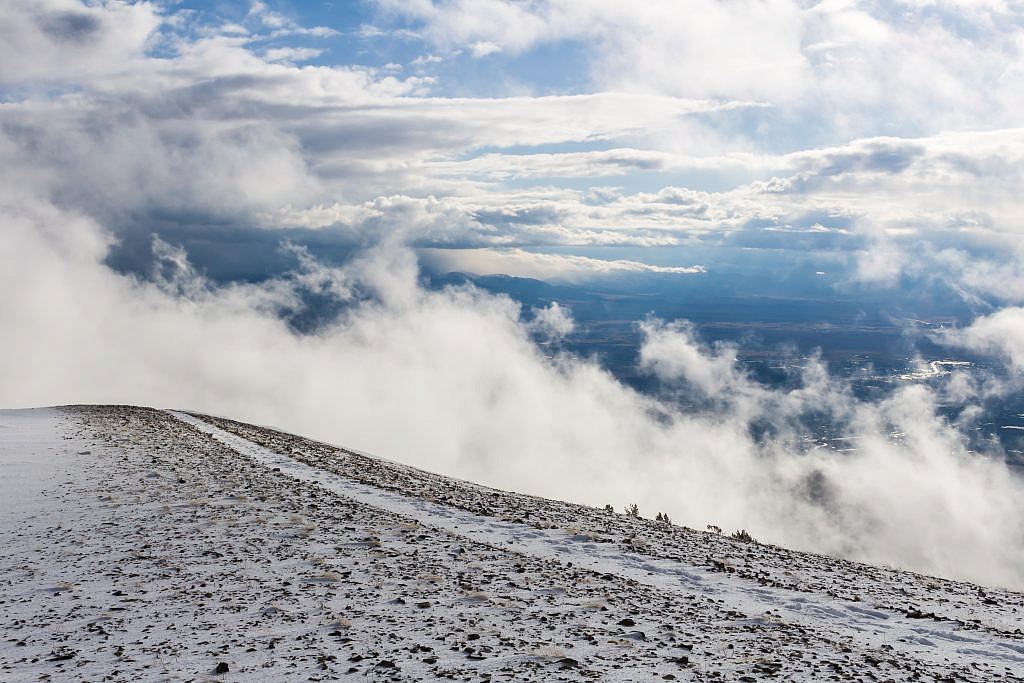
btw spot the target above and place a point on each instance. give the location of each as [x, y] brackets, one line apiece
[142, 544]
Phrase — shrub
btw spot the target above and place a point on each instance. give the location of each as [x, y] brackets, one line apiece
[742, 535]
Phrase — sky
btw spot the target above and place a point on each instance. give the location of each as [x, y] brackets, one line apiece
[178, 178]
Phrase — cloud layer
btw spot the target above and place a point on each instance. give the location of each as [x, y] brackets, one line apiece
[451, 380]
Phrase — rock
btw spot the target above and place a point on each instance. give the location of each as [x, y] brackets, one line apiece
[221, 668]
[918, 614]
[627, 622]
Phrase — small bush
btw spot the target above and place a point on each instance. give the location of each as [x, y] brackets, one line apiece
[742, 535]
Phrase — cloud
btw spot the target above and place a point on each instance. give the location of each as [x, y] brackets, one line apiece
[60, 41]
[1001, 334]
[846, 67]
[483, 48]
[670, 352]
[219, 132]
[552, 322]
[291, 54]
[541, 266]
[381, 379]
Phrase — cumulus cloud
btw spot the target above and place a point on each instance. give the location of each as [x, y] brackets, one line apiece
[482, 48]
[61, 41]
[1001, 333]
[671, 352]
[920, 67]
[552, 322]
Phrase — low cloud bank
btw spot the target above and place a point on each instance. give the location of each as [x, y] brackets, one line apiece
[1000, 334]
[453, 381]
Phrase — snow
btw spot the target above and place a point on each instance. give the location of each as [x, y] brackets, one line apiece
[152, 545]
[33, 460]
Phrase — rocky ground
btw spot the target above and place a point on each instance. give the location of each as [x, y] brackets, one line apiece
[141, 544]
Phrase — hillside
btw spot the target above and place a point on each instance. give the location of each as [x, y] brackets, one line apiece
[142, 544]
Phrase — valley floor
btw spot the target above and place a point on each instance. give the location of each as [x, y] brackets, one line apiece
[150, 545]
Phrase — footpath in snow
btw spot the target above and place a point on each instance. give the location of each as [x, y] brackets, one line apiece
[937, 643]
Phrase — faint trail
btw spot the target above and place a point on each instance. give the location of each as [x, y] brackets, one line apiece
[853, 623]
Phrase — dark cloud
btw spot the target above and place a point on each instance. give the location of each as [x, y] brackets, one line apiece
[534, 215]
[877, 157]
[75, 27]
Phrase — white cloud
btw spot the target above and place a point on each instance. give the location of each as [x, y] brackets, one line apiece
[382, 380]
[424, 60]
[483, 48]
[849, 65]
[291, 54]
[1001, 333]
[671, 352]
[552, 322]
[542, 266]
[46, 41]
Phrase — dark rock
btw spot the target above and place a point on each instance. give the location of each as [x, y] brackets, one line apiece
[918, 614]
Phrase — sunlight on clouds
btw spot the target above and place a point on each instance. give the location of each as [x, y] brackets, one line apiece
[556, 267]
[381, 379]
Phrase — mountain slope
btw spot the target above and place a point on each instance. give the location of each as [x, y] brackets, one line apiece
[157, 545]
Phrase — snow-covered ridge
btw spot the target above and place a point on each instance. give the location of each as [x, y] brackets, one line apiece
[176, 546]
[769, 566]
